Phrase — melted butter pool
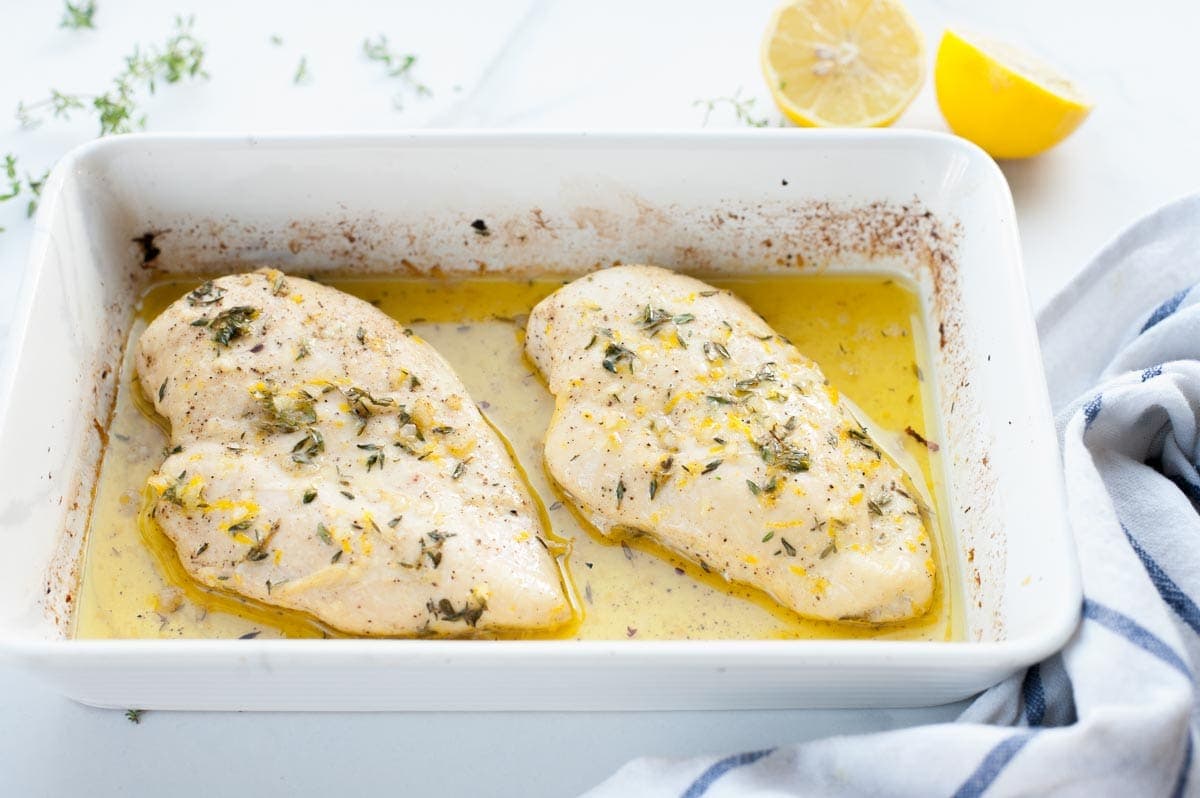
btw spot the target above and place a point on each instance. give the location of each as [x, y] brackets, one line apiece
[862, 330]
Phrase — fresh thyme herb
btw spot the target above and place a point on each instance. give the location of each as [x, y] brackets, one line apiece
[18, 185]
[719, 400]
[714, 351]
[395, 522]
[243, 525]
[323, 534]
[375, 456]
[615, 354]
[459, 470]
[259, 551]
[303, 351]
[309, 495]
[878, 505]
[361, 402]
[361, 335]
[207, 294]
[286, 413]
[203, 548]
[753, 486]
[232, 324]
[302, 74]
[347, 494]
[788, 547]
[174, 492]
[278, 285]
[830, 549]
[308, 447]
[768, 536]
[442, 430]
[743, 109]
[337, 555]
[592, 342]
[711, 467]
[180, 57]
[162, 389]
[470, 613]
[134, 715]
[653, 319]
[620, 492]
[77, 16]
[397, 65]
[709, 293]
[653, 488]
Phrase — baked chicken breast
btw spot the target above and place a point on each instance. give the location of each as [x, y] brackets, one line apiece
[325, 459]
[680, 414]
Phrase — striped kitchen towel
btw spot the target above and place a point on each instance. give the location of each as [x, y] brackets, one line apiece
[1115, 712]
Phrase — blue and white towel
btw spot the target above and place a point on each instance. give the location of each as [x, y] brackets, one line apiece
[1115, 712]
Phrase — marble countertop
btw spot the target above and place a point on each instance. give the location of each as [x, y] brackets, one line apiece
[562, 65]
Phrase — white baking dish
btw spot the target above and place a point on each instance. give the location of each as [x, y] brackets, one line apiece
[928, 206]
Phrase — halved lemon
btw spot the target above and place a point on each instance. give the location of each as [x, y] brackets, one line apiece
[1008, 102]
[843, 63]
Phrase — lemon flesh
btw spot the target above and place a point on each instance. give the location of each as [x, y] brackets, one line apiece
[843, 63]
[1008, 102]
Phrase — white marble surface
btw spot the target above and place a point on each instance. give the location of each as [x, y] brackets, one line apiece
[504, 63]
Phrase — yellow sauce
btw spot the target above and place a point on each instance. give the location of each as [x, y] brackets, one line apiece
[863, 331]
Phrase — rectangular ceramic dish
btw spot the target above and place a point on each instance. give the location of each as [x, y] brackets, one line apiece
[120, 212]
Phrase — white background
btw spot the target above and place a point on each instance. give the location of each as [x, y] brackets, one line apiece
[511, 64]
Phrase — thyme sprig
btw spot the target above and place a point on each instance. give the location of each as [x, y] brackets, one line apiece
[180, 57]
[77, 16]
[18, 186]
[398, 65]
[743, 109]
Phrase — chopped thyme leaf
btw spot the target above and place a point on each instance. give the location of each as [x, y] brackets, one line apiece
[303, 351]
[830, 549]
[309, 495]
[711, 467]
[243, 525]
[206, 294]
[394, 522]
[459, 470]
[133, 715]
[788, 547]
[720, 400]
[592, 342]
[337, 555]
[347, 494]
[753, 486]
[442, 430]
[715, 351]
[162, 389]
[620, 492]
[231, 324]
[615, 354]
[323, 534]
[768, 536]
[286, 413]
[709, 293]
[173, 494]
[278, 285]
[361, 335]
[308, 447]
[203, 548]
[653, 488]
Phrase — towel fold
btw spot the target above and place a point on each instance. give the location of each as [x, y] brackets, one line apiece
[1114, 712]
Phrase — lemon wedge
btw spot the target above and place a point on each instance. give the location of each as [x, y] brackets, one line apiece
[843, 63]
[1008, 102]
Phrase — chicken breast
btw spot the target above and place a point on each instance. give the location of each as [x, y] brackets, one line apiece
[325, 459]
[679, 413]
